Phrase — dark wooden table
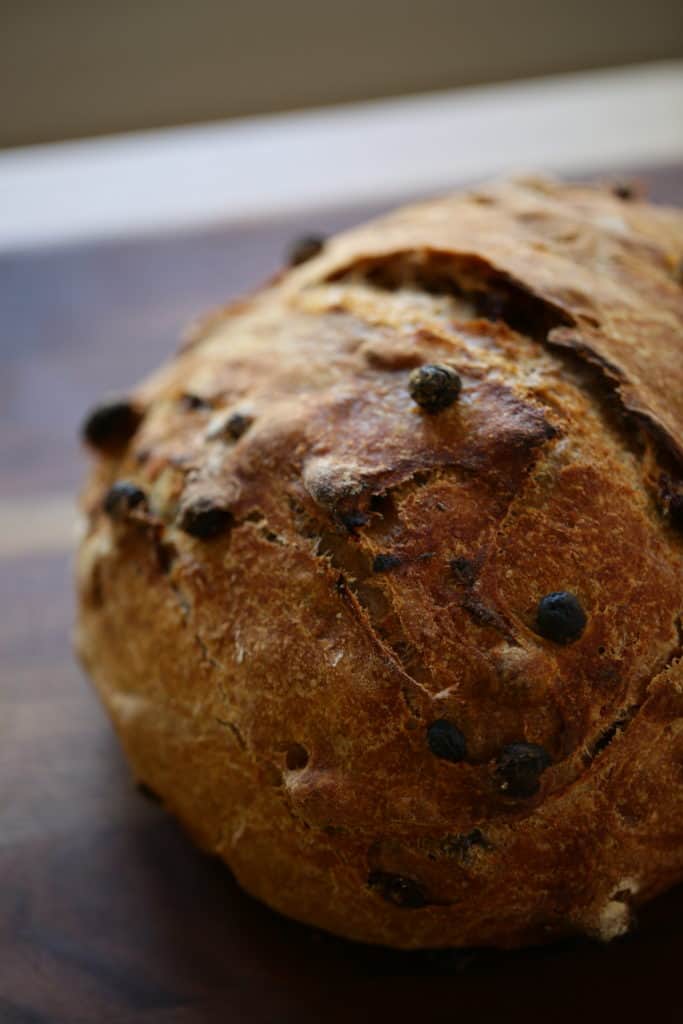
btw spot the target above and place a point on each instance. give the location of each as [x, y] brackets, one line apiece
[107, 912]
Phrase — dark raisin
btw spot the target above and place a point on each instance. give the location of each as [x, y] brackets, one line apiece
[560, 617]
[464, 570]
[446, 741]
[385, 563]
[194, 402]
[519, 768]
[353, 519]
[122, 498]
[434, 387]
[402, 892]
[676, 511]
[205, 519]
[304, 249]
[110, 426]
[238, 424]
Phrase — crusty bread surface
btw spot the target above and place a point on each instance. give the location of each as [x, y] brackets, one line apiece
[381, 583]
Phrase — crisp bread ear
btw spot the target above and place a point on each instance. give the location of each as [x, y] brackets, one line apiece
[604, 271]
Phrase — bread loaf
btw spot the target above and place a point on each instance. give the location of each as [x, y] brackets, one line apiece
[381, 584]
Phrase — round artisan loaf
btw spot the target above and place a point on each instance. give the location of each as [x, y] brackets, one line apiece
[381, 584]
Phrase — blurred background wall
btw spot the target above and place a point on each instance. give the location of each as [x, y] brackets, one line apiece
[71, 68]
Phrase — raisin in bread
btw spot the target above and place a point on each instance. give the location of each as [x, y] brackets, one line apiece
[382, 580]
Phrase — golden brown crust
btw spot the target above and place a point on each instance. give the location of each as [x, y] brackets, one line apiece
[272, 668]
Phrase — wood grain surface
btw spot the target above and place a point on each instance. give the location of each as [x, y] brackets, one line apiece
[107, 912]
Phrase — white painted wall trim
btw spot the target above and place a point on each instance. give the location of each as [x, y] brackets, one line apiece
[274, 165]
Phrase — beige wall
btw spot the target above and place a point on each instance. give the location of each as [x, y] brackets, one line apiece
[70, 68]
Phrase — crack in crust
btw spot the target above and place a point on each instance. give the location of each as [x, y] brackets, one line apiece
[597, 265]
[388, 653]
[515, 305]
